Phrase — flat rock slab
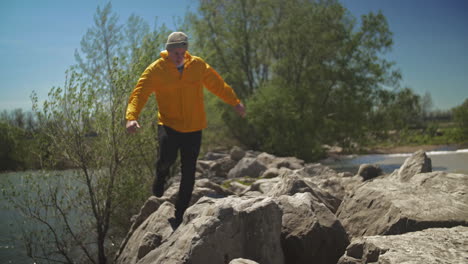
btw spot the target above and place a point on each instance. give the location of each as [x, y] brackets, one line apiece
[388, 206]
[434, 245]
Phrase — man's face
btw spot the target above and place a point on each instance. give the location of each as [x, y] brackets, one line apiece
[177, 55]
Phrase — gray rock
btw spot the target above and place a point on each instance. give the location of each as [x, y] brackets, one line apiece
[221, 167]
[434, 245]
[237, 187]
[263, 186]
[291, 182]
[265, 158]
[337, 184]
[214, 156]
[149, 242]
[273, 172]
[242, 261]
[272, 161]
[220, 230]
[270, 173]
[292, 163]
[417, 163]
[202, 187]
[252, 194]
[252, 154]
[204, 165]
[345, 174]
[250, 167]
[318, 170]
[309, 230]
[148, 235]
[148, 208]
[237, 153]
[387, 206]
[369, 171]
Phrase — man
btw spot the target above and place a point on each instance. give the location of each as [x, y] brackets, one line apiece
[177, 79]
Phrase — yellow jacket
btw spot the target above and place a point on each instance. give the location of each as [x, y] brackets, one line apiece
[179, 95]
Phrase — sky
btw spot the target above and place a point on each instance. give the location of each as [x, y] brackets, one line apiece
[38, 40]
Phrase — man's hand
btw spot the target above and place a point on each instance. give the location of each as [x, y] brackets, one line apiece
[132, 126]
[240, 109]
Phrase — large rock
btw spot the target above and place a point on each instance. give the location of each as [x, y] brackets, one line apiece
[369, 171]
[236, 187]
[250, 167]
[273, 172]
[202, 187]
[221, 167]
[220, 230]
[262, 186]
[271, 161]
[388, 206]
[291, 182]
[292, 163]
[148, 235]
[337, 184]
[214, 155]
[204, 165]
[148, 208]
[309, 230]
[237, 153]
[265, 158]
[417, 163]
[434, 245]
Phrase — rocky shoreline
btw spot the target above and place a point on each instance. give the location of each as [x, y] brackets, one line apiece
[250, 207]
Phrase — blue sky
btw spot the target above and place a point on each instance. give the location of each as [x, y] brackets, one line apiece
[38, 39]
[430, 44]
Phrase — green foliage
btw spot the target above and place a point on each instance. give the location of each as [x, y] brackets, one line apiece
[19, 140]
[460, 114]
[308, 75]
[82, 126]
[396, 111]
[10, 153]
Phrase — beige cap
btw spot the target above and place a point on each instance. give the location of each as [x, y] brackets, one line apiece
[177, 40]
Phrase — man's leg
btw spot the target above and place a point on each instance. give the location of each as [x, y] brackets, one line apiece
[189, 150]
[168, 147]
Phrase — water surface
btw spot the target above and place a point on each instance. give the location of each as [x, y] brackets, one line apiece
[455, 161]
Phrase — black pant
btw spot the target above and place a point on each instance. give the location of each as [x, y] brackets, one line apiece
[170, 142]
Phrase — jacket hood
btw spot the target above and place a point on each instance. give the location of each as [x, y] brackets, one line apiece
[165, 55]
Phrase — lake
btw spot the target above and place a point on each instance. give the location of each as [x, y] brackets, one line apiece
[11, 249]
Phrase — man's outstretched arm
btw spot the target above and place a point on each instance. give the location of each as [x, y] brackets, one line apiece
[215, 84]
[138, 99]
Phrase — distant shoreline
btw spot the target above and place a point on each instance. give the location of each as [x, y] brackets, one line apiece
[333, 157]
[411, 149]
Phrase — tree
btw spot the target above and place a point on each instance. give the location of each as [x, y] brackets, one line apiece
[82, 212]
[308, 74]
[17, 132]
[396, 110]
[460, 116]
[10, 154]
[426, 104]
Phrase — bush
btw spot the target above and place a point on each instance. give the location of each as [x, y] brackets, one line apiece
[460, 114]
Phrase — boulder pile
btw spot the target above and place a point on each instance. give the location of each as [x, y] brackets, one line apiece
[250, 207]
